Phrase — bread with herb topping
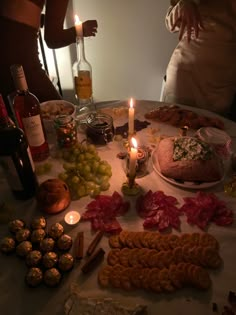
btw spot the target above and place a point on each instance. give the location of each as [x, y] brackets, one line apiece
[189, 159]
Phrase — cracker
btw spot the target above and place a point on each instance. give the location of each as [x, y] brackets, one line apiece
[124, 257]
[114, 241]
[104, 276]
[113, 257]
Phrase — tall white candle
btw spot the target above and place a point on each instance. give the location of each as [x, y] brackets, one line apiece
[78, 27]
[133, 158]
[131, 117]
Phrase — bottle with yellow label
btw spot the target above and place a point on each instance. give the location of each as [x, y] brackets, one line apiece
[82, 72]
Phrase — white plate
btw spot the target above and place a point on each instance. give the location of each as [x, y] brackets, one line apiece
[189, 185]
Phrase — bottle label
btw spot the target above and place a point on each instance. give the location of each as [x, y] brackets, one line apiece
[83, 85]
[33, 130]
[11, 172]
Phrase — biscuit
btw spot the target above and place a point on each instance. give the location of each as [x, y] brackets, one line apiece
[104, 276]
[114, 241]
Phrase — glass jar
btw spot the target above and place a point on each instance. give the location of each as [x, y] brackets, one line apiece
[66, 132]
[218, 139]
[99, 128]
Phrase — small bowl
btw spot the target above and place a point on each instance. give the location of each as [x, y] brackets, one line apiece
[51, 109]
[219, 139]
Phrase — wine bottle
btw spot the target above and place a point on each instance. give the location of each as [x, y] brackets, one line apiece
[27, 111]
[15, 158]
[82, 71]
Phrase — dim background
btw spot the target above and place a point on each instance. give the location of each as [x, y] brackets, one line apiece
[128, 56]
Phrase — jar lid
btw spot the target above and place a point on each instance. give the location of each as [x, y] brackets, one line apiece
[99, 120]
[213, 136]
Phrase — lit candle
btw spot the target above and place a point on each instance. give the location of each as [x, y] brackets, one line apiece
[131, 117]
[72, 217]
[133, 158]
[78, 27]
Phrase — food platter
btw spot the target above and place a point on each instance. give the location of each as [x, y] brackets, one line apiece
[186, 184]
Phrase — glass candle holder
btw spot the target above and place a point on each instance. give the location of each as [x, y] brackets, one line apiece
[66, 131]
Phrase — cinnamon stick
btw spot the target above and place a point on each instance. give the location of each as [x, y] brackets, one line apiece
[79, 245]
[93, 261]
[94, 243]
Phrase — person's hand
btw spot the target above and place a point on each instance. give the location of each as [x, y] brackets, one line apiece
[188, 19]
[90, 28]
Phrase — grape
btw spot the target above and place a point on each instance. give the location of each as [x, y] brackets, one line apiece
[81, 157]
[96, 192]
[81, 191]
[102, 169]
[105, 185]
[75, 179]
[84, 171]
[63, 176]
[72, 158]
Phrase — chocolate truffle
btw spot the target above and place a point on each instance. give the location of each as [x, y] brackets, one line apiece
[7, 245]
[22, 235]
[65, 262]
[16, 225]
[23, 248]
[47, 244]
[64, 242]
[37, 235]
[56, 230]
[34, 277]
[34, 258]
[38, 223]
[49, 259]
[52, 277]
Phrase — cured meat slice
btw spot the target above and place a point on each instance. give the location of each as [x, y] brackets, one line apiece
[158, 210]
[205, 208]
[102, 212]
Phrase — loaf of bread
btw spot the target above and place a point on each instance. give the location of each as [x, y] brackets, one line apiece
[189, 159]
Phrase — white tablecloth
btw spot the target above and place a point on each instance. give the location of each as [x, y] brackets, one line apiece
[18, 299]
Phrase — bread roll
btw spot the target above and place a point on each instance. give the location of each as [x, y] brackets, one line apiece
[191, 165]
[53, 196]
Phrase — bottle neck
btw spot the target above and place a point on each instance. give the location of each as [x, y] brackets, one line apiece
[19, 78]
[80, 49]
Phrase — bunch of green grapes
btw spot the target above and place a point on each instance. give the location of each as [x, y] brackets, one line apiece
[84, 171]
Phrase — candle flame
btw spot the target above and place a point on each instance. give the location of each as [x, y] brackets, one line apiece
[131, 103]
[134, 142]
[77, 20]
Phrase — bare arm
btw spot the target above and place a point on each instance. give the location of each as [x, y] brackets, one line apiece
[55, 35]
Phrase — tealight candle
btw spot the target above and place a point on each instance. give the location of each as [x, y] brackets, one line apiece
[78, 27]
[131, 117]
[72, 217]
[133, 158]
